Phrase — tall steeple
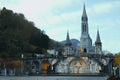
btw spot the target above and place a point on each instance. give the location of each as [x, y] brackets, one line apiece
[84, 21]
[85, 40]
[98, 44]
[68, 43]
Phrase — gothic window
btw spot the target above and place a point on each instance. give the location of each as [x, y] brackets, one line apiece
[84, 28]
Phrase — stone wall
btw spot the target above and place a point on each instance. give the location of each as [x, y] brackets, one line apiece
[53, 78]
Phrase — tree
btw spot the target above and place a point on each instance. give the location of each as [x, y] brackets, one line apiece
[117, 63]
[117, 60]
[18, 35]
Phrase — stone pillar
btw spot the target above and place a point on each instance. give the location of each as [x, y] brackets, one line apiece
[114, 68]
[22, 67]
[40, 66]
[93, 68]
[5, 70]
[52, 67]
[110, 68]
[68, 68]
[50, 60]
[31, 63]
[90, 68]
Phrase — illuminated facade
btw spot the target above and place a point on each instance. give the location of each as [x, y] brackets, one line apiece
[83, 65]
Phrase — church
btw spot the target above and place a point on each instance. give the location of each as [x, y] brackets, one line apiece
[83, 59]
[80, 59]
[86, 58]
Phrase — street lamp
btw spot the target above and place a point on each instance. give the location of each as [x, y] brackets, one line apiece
[114, 68]
[22, 56]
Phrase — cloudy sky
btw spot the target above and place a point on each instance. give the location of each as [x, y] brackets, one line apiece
[55, 17]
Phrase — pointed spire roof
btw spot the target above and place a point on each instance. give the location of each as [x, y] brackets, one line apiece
[98, 37]
[84, 11]
[68, 39]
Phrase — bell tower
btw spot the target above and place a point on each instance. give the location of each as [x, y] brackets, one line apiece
[85, 40]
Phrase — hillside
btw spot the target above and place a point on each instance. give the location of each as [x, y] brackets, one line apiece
[18, 35]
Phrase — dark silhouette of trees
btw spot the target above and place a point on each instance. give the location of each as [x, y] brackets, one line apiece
[18, 35]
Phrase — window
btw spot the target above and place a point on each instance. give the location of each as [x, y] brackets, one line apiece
[84, 28]
[85, 50]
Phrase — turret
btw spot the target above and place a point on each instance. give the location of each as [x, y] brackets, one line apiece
[67, 47]
[68, 43]
[98, 44]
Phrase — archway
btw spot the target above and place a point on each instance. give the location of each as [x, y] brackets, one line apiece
[45, 65]
[78, 66]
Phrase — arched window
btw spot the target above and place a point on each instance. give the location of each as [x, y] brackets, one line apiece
[85, 50]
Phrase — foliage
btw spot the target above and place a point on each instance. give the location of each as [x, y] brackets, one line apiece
[13, 64]
[117, 60]
[111, 77]
[18, 35]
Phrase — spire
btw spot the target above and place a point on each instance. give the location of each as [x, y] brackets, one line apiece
[84, 21]
[98, 37]
[98, 44]
[68, 39]
[84, 11]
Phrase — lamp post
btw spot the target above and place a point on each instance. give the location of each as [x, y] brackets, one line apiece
[22, 56]
[114, 68]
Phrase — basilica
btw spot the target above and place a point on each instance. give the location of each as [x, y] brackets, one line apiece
[83, 59]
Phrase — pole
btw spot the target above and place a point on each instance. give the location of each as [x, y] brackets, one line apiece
[5, 73]
[114, 70]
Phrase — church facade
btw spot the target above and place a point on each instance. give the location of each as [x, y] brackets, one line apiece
[84, 59]
[78, 60]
